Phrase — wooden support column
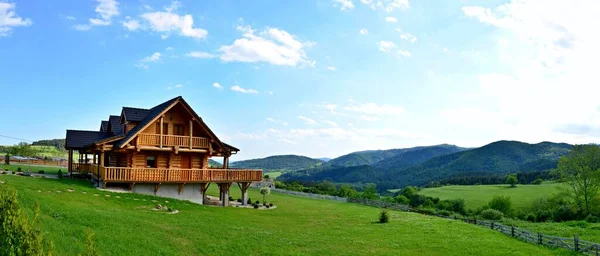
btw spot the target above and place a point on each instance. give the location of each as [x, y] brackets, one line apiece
[70, 162]
[161, 131]
[94, 160]
[203, 188]
[100, 164]
[191, 133]
[244, 188]
[225, 193]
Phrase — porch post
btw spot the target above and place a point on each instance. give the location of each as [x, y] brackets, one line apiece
[203, 187]
[94, 160]
[70, 162]
[191, 132]
[225, 200]
[161, 131]
[244, 188]
[101, 164]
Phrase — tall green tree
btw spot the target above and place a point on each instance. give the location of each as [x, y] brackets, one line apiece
[512, 180]
[370, 192]
[581, 171]
[7, 159]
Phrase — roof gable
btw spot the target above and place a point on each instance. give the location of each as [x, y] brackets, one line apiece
[104, 126]
[115, 125]
[134, 114]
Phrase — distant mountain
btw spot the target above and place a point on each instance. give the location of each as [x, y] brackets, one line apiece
[422, 165]
[325, 159]
[279, 163]
[213, 163]
[363, 157]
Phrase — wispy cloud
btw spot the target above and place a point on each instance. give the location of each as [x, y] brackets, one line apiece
[332, 68]
[344, 4]
[275, 121]
[105, 11]
[9, 19]
[168, 22]
[363, 31]
[217, 85]
[386, 46]
[307, 120]
[237, 88]
[391, 19]
[201, 55]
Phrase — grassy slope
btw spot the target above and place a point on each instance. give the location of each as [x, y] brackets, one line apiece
[476, 196]
[34, 168]
[124, 226]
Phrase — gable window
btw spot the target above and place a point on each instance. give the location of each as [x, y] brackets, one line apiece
[150, 162]
[178, 129]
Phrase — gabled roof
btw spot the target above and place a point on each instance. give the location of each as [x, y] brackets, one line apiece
[115, 125]
[104, 126]
[135, 114]
[152, 114]
[80, 139]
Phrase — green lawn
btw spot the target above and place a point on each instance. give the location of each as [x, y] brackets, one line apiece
[273, 175]
[35, 168]
[299, 226]
[476, 196]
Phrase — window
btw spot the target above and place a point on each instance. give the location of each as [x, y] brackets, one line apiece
[165, 128]
[150, 162]
[178, 129]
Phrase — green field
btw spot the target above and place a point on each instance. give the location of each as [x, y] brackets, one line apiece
[479, 195]
[299, 226]
[273, 175]
[34, 168]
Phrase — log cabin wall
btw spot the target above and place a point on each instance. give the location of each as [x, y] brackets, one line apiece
[167, 160]
[177, 115]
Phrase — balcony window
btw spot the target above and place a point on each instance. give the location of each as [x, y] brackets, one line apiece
[150, 162]
[178, 129]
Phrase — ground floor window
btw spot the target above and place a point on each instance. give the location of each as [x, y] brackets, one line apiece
[151, 162]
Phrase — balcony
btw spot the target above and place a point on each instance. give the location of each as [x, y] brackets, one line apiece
[164, 175]
[172, 141]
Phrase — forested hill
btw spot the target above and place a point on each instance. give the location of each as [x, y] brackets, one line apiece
[502, 157]
[279, 163]
[59, 144]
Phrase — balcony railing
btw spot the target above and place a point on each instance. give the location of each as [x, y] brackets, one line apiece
[172, 140]
[163, 175]
[84, 168]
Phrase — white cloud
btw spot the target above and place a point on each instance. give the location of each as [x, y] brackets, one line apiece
[387, 5]
[70, 18]
[173, 6]
[345, 4]
[168, 22]
[386, 46]
[178, 85]
[82, 27]
[331, 123]
[201, 55]
[391, 19]
[275, 121]
[330, 107]
[237, 88]
[105, 11]
[363, 31]
[307, 120]
[217, 85]
[273, 45]
[332, 68]
[404, 53]
[9, 19]
[131, 25]
[152, 58]
[407, 36]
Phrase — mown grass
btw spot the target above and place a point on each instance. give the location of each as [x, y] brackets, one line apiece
[34, 168]
[476, 196]
[124, 224]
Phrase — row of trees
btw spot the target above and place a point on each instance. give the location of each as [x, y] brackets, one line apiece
[21, 149]
[368, 191]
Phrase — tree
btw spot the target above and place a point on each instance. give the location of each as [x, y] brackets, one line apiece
[265, 191]
[581, 171]
[370, 192]
[347, 191]
[7, 159]
[501, 203]
[512, 180]
[409, 191]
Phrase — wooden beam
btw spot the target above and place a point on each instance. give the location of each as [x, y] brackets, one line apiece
[156, 187]
[131, 186]
[161, 131]
[191, 133]
[70, 162]
[181, 187]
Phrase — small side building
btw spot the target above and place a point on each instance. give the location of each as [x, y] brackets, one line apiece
[162, 151]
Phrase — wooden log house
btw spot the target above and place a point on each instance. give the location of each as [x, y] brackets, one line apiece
[163, 150]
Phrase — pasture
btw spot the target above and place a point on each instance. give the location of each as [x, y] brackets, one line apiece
[125, 224]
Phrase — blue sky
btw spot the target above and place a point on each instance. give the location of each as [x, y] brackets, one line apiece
[319, 78]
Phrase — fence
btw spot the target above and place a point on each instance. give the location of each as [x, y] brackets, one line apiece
[311, 195]
[62, 163]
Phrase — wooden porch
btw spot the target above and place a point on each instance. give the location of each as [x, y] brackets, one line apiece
[159, 140]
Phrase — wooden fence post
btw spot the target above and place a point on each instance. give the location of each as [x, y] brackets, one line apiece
[492, 225]
[540, 238]
[576, 242]
[512, 231]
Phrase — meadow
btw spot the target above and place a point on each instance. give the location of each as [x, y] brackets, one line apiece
[478, 195]
[125, 224]
[34, 168]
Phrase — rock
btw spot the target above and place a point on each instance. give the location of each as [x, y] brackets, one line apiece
[117, 196]
[158, 206]
[107, 195]
[167, 202]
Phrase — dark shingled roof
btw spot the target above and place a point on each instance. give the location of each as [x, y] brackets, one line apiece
[115, 124]
[81, 139]
[231, 148]
[152, 113]
[135, 114]
[104, 126]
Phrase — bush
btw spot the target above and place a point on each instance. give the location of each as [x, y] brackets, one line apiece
[401, 199]
[384, 216]
[530, 217]
[13, 172]
[270, 204]
[231, 198]
[427, 211]
[491, 214]
[18, 169]
[592, 219]
[249, 201]
[428, 203]
[255, 206]
[265, 191]
[537, 181]
[239, 200]
[501, 203]
[41, 171]
[257, 202]
[444, 212]
[59, 174]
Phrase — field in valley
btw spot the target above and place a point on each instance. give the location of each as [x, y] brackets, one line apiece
[34, 168]
[479, 195]
[125, 224]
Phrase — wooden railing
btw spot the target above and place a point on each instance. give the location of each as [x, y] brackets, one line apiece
[172, 140]
[84, 168]
[35, 162]
[160, 175]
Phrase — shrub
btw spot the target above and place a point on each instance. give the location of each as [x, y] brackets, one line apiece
[13, 172]
[59, 174]
[18, 169]
[501, 203]
[41, 171]
[384, 216]
[231, 198]
[401, 199]
[409, 191]
[265, 191]
[444, 212]
[255, 206]
[530, 217]
[7, 159]
[428, 203]
[249, 201]
[270, 204]
[239, 200]
[257, 202]
[592, 219]
[537, 181]
[427, 211]
[491, 214]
